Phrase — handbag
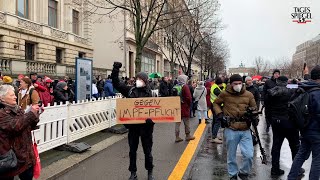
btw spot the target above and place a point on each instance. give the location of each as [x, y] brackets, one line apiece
[8, 162]
[195, 104]
[37, 166]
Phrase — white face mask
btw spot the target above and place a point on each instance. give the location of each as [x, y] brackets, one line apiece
[139, 83]
[237, 88]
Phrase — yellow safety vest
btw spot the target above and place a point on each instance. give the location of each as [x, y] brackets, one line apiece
[224, 86]
[213, 97]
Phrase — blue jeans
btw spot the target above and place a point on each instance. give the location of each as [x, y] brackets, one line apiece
[244, 140]
[202, 114]
[303, 154]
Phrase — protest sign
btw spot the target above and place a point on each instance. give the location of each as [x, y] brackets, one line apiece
[159, 109]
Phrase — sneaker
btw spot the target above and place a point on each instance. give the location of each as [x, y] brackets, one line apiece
[133, 176]
[216, 140]
[178, 139]
[277, 172]
[243, 176]
[234, 177]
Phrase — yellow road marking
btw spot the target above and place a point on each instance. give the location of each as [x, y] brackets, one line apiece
[188, 153]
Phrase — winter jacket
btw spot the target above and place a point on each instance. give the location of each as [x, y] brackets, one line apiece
[234, 104]
[312, 130]
[269, 84]
[202, 102]
[208, 87]
[186, 103]
[44, 94]
[100, 85]
[164, 89]
[280, 96]
[131, 92]
[60, 95]
[26, 100]
[15, 131]
[108, 88]
[191, 91]
[255, 93]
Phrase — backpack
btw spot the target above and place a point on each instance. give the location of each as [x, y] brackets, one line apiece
[177, 91]
[299, 107]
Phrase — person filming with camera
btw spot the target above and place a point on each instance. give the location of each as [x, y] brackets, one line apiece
[236, 100]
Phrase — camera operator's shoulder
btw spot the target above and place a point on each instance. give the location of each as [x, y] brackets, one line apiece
[248, 94]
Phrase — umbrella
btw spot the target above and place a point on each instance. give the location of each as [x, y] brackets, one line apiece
[258, 77]
[155, 75]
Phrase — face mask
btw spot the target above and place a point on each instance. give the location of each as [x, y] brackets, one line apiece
[237, 88]
[139, 83]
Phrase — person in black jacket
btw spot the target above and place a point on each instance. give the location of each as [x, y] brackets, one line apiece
[164, 87]
[282, 125]
[251, 88]
[144, 131]
[192, 109]
[269, 84]
[100, 85]
[60, 93]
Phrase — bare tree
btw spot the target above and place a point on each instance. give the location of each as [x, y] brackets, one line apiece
[262, 66]
[147, 17]
[202, 23]
[215, 55]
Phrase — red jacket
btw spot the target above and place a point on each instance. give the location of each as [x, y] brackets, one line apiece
[16, 128]
[187, 99]
[208, 87]
[44, 94]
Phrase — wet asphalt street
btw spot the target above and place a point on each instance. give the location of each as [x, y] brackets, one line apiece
[211, 161]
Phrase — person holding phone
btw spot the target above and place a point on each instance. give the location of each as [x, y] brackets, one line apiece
[15, 134]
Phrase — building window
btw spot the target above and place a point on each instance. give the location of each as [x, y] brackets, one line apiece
[147, 64]
[29, 51]
[23, 8]
[75, 22]
[82, 55]
[59, 55]
[52, 13]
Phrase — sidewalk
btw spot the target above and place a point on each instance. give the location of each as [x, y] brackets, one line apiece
[110, 161]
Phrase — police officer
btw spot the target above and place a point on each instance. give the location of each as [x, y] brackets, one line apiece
[144, 131]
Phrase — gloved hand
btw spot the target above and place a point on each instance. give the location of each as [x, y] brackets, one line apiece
[117, 65]
[220, 116]
[255, 121]
[149, 121]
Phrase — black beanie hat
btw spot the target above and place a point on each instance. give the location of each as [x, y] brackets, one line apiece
[276, 71]
[235, 77]
[315, 73]
[218, 80]
[143, 76]
[283, 79]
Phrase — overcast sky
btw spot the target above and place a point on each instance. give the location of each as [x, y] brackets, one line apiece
[265, 28]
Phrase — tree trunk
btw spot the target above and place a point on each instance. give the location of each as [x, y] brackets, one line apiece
[138, 58]
[188, 73]
[172, 72]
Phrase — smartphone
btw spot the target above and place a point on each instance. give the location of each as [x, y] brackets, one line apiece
[40, 106]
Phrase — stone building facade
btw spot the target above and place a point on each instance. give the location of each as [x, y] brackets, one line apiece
[43, 36]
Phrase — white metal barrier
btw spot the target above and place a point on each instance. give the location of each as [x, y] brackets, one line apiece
[62, 124]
